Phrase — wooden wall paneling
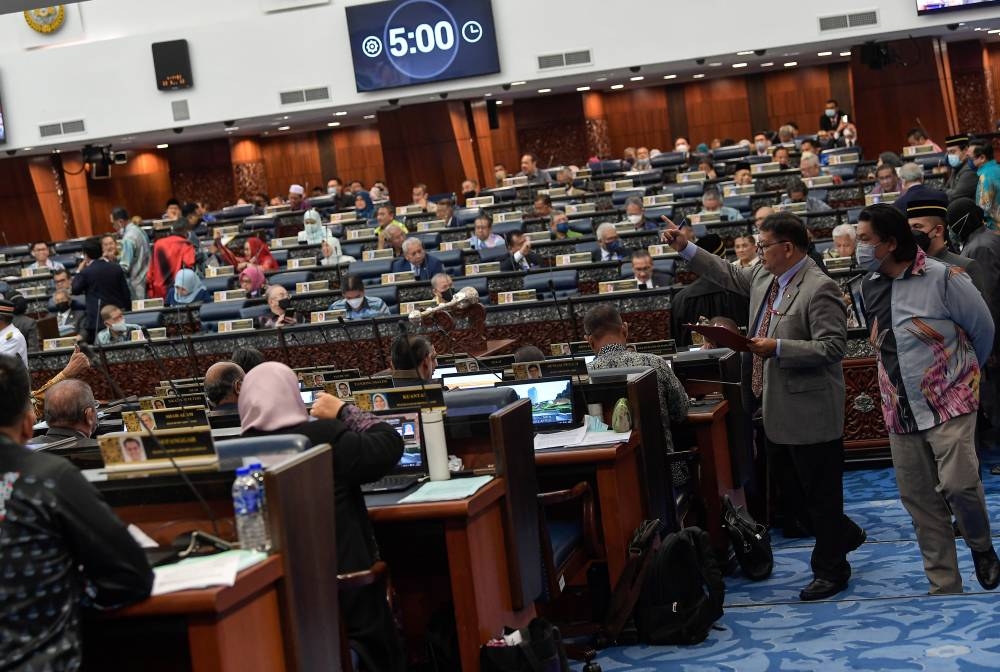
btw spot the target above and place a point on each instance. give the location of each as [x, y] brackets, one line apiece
[553, 128]
[358, 152]
[291, 159]
[970, 76]
[142, 186]
[76, 182]
[506, 151]
[888, 102]
[677, 114]
[327, 155]
[638, 118]
[57, 223]
[21, 213]
[717, 109]
[841, 86]
[799, 95]
[202, 171]
[419, 146]
[757, 101]
[249, 176]
[485, 155]
[992, 66]
[596, 124]
[464, 142]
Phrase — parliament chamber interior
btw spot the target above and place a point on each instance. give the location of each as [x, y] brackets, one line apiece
[459, 335]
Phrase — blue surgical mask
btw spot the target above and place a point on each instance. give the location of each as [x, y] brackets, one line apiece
[830, 113]
[865, 254]
[954, 160]
[562, 227]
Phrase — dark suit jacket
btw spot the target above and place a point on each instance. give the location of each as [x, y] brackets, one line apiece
[534, 259]
[962, 182]
[104, 283]
[828, 124]
[596, 255]
[432, 266]
[84, 452]
[661, 279]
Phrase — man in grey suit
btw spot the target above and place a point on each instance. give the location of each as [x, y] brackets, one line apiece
[799, 326]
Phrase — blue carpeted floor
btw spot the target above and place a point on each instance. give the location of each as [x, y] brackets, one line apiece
[884, 621]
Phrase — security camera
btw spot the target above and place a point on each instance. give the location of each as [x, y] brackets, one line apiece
[229, 124]
[394, 101]
[443, 95]
[700, 61]
[119, 158]
[635, 68]
[505, 87]
[11, 152]
[760, 52]
[178, 130]
[952, 26]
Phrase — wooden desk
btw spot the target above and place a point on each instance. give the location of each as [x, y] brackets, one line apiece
[477, 567]
[716, 467]
[619, 495]
[234, 628]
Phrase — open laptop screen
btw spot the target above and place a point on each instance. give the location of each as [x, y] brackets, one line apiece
[551, 401]
[407, 425]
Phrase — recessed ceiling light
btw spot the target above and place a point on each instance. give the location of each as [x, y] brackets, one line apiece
[994, 31]
[699, 76]
[845, 53]
[791, 64]
[57, 151]
[340, 114]
[285, 117]
[162, 145]
[739, 65]
[669, 76]
[544, 90]
[637, 78]
[333, 124]
[283, 128]
[499, 102]
[715, 64]
[232, 128]
[28, 149]
[583, 88]
[616, 87]
[766, 65]
[825, 53]
[369, 116]
[744, 53]
[487, 94]
[601, 79]
[517, 83]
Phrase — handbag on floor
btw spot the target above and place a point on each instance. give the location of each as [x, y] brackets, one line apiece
[537, 648]
[751, 541]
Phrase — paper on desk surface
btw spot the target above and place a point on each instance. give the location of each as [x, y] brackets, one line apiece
[443, 491]
[575, 438]
[205, 571]
[141, 538]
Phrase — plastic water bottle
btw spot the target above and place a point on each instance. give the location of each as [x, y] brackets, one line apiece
[251, 528]
[257, 471]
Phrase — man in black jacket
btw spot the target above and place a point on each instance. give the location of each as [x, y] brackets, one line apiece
[964, 179]
[62, 544]
[520, 258]
[103, 282]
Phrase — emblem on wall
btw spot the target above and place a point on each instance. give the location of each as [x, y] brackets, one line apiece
[46, 20]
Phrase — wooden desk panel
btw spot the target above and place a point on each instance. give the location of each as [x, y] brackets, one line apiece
[716, 467]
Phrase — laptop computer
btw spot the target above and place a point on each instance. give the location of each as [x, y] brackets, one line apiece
[552, 407]
[412, 466]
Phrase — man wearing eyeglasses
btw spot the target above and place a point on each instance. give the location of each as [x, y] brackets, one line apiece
[798, 329]
[71, 412]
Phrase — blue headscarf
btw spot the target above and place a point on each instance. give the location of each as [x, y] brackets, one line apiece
[369, 210]
[190, 281]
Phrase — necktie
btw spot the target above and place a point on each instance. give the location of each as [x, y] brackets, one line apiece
[642, 285]
[757, 378]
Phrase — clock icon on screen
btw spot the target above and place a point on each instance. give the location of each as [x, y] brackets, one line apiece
[422, 38]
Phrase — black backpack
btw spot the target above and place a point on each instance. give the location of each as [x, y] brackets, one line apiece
[751, 541]
[683, 591]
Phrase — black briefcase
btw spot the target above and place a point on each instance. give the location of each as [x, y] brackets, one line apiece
[751, 541]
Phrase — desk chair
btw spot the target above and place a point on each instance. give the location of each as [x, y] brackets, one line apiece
[219, 283]
[684, 190]
[210, 314]
[844, 171]
[431, 241]
[388, 293]
[741, 203]
[731, 152]
[668, 159]
[289, 279]
[584, 225]
[619, 196]
[504, 228]
[660, 211]
[352, 249]
[464, 216]
[251, 446]
[370, 272]
[568, 543]
[820, 194]
[68, 246]
[255, 310]
[479, 283]
[607, 167]
[70, 261]
[145, 318]
[451, 260]
[489, 254]
[280, 256]
[566, 283]
[478, 401]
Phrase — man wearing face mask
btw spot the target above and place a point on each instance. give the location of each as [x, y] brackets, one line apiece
[933, 332]
[831, 119]
[335, 188]
[116, 329]
[962, 180]
[609, 248]
[69, 321]
[280, 304]
[71, 411]
[559, 226]
[500, 174]
[682, 145]
[761, 144]
[356, 305]
[926, 217]
[470, 189]
[635, 215]
[443, 287]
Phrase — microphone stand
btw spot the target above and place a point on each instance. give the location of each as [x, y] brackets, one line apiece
[555, 300]
[159, 364]
[347, 332]
[103, 368]
[479, 362]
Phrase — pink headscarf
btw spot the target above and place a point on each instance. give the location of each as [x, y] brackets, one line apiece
[270, 399]
[256, 277]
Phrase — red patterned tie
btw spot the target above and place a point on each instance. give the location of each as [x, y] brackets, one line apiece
[757, 378]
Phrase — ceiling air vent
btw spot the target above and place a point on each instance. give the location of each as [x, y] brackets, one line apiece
[51, 130]
[571, 58]
[304, 95]
[292, 97]
[180, 110]
[75, 126]
[845, 21]
[48, 130]
[320, 93]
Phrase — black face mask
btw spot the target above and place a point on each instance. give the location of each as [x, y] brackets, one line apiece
[62, 306]
[285, 303]
[923, 240]
[448, 294]
[469, 194]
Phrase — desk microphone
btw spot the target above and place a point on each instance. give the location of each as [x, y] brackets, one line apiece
[284, 346]
[479, 362]
[193, 360]
[572, 321]
[354, 344]
[329, 346]
[159, 365]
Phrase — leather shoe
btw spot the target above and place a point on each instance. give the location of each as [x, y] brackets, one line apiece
[860, 539]
[987, 568]
[820, 589]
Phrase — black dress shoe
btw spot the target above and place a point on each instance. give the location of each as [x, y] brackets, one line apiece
[858, 540]
[820, 589]
[795, 530]
[987, 568]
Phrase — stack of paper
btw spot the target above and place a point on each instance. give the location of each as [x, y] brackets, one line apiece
[204, 571]
[579, 437]
[444, 491]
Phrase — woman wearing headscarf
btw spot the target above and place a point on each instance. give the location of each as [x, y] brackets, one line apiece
[364, 450]
[314, 231]
[252, 281]
[255, 253]
[188, 288]
[363, 206]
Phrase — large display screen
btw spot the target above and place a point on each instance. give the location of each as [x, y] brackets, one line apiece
[933, 6]
[409, 42]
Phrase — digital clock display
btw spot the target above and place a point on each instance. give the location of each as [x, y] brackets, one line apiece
[409, 42]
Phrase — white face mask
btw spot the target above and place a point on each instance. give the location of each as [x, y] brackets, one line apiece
[681, 148]
[118, 326]
[634, 219]
[333, 191]
[355, 303]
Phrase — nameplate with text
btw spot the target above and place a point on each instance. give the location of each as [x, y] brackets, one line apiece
[614, 286]
[35, 271]
[321, 378]
[517, 296]
[318, 316]
[170, 418]
[224, 231]
[657, 199]
[574, 348]
[432, 225]
[155, 333]
[276, 209]
[705, 218]
[304, 262]
[482, 269]
[479, 202]
[693, 176]
[821, 181]
[914, 150]
[888, 197]
[555, 192]
[147, 304]
[219, 271]
[34, 292]
[573, 258]
[794, 208]
[624, 227]
[549, 368]
[365, 232]
[408, 210]
[345, 389]
[312, 286]
[59, 343]
[762, 168]
[840, 159]
[372, 255]
[615, 185]
[411, 306]
[398, 398]
[738, 190]
[229, 295]
[538, 236]
[456, 245]
[135, 450]
[396, 278]
[510, 216]
[343, 217]
[581, 208]
[227, 326]
[660, 251]
[662, 348]
[516, 181]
